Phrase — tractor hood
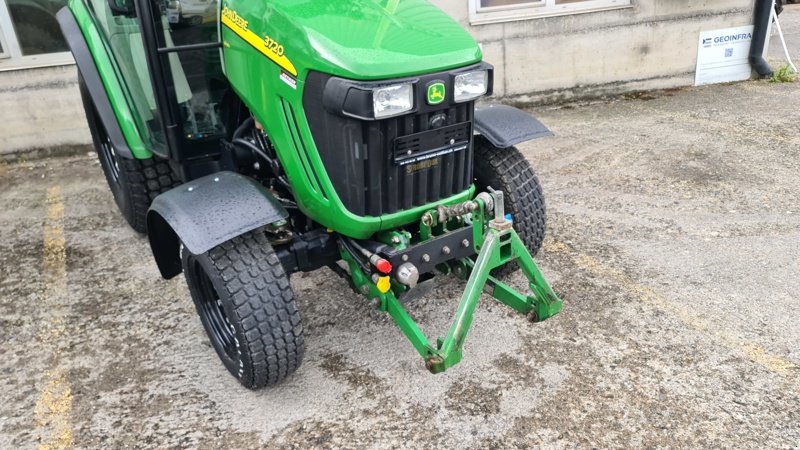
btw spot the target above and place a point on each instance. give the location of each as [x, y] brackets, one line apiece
[359, 39]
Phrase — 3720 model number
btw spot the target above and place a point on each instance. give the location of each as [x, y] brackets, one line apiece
[274, 46]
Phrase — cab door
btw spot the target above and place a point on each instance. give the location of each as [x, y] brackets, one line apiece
[122, 34]
[184, 53]
[168, 56]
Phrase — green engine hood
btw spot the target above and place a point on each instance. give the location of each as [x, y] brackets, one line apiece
[361, 39]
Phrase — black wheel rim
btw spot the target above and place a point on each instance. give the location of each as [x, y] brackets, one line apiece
[111, 157]
[218, 326]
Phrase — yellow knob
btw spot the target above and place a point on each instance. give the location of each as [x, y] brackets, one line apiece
[384, 284]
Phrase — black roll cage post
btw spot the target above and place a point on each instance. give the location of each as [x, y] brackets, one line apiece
[157, 55]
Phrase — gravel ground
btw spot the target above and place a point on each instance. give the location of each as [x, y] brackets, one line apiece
[673, 238]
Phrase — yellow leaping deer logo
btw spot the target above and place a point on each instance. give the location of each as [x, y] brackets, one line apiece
[436, 93]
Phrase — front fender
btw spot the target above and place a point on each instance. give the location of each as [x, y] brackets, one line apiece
[206, 212]
[505, 126]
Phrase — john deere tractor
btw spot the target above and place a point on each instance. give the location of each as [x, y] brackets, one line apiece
[291, 135]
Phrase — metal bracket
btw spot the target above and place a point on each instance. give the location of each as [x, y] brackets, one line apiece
[498, 244]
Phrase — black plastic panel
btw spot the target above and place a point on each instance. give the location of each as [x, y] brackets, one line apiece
[432, 143]
[359, 155]
[505, 126]
[435, 250]
[206, 212]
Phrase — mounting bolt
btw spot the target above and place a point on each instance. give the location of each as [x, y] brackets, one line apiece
[446, 250]
[426, 257]
[533, 317]
[365, 289]
[465, 243]
[395, 240]
[405, 257]
[427, 219]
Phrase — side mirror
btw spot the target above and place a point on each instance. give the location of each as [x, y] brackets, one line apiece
[122, 7]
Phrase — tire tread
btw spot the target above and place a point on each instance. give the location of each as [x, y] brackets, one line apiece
[264, 304]
[507, 170]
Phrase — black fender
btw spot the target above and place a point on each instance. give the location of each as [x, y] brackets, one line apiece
[206, 212]
[505, 126]
[91, 78]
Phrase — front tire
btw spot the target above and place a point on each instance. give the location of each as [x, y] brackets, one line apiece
[133, 182]
[247, 307]
[507, 170]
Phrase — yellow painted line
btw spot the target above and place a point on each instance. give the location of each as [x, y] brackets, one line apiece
[53, 409]
[259, 43]
[647, 295]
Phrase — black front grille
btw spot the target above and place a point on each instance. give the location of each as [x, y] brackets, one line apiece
[369, 162]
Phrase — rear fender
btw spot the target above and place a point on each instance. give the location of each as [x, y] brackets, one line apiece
[206, 212]
[506, 126]
[96, 67]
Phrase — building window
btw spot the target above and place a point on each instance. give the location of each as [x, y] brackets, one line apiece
[30, 35]
[491, 11]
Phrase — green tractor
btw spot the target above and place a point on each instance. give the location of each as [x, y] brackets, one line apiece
[290, 135]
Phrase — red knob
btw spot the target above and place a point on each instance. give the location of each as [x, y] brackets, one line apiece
[384, 266]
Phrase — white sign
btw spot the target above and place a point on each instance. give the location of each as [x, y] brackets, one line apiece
[722, 55]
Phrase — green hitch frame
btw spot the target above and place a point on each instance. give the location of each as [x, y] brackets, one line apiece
[497, 244]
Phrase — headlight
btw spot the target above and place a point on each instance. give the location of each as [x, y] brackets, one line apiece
[471, 85]
[393, 100]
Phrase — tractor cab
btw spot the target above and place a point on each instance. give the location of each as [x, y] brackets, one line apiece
[166, 55]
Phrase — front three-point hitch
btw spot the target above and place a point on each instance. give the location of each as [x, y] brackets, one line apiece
[448, 239]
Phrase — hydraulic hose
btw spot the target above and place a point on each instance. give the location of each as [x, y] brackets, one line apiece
[763, 14]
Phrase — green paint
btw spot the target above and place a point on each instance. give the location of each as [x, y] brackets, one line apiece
[107, 68]
[355, 39]
[359, 39]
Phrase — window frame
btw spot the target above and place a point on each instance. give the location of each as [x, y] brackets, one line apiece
[542, 8]
[12, 58]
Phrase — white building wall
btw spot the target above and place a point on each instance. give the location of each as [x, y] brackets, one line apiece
[651, 45]
[41, 111]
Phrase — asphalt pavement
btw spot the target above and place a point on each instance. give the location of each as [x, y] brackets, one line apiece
[674, 234]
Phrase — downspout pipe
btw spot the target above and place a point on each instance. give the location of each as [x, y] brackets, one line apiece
[763, 15]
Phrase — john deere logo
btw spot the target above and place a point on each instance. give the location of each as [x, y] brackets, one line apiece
[436, 93]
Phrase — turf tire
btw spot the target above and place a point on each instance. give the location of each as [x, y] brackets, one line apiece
[507, 170]
[133, 182]
[247, 307]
